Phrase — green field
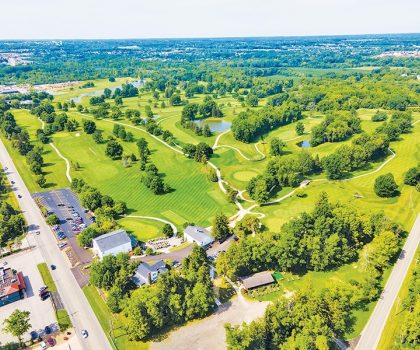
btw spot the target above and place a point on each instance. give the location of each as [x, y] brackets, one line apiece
[46, 277]
[142, 229]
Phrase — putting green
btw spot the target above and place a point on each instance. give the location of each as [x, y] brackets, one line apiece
[245, 175]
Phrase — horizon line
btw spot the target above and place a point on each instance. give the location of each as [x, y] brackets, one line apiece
[214, 37]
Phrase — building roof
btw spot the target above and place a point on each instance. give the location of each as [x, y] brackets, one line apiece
[10, 281]
[198, 233]
[112, 240]
[144, 268]
[257, 279]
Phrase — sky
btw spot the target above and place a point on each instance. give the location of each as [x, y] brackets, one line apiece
[105, 19]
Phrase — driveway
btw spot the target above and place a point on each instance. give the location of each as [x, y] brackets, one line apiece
[209, 333]
[42, 312]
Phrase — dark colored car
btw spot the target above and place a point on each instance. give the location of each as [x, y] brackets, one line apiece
[53, 267]
[34, 335]
[47, 330]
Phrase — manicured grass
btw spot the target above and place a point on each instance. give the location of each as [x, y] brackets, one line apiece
[142, 229]
[402, 209]
[390, 334]
[194, 198]
[46, 277]
[104, 315]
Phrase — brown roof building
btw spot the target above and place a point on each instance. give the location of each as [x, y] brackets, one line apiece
[257, 280]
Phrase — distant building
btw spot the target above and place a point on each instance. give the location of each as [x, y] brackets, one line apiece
[199, 235]
[257, 280]
[148, 274]
[12, 286]
[112, 243]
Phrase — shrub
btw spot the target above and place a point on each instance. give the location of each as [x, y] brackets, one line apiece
[385, 186]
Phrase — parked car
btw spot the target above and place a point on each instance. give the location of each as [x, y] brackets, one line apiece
[51, 341]
[44, 296]
[13, 182]
[19, 196]
[61, 245]
[47, 330]
[53, 267]
[34, 335]
[84, 333]
[42, 345]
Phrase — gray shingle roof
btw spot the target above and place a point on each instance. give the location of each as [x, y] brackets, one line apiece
[111, 240]
[257, 279]
[198, 233]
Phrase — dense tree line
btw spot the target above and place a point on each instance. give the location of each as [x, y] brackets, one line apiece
[200, 152]
[250, 125]
[177, 297]
[409, 329]
[336, 127]
[327, 237]
[12, 223]
[113, 274]
[282, 171]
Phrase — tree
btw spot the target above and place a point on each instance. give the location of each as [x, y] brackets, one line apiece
[379, 116]
[113, 150]
[334, 166]
[203, 152]
[189, 111]
[167, 230]
[252, 100]
[175, 100]
[385, 186]
[412, 176]
[221, 229]
[52, 220]
[97, 136]
[17, 324]
[89, 126]
[300, 128]
[276, 146]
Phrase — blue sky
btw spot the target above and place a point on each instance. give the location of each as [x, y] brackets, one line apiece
[53, 19]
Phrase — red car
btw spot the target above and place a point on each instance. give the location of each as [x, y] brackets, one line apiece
[51, 341]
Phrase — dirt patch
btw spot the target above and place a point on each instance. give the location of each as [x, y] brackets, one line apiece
[209, 334]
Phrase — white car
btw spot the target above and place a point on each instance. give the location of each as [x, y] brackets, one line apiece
[43, 346]
[84, 333]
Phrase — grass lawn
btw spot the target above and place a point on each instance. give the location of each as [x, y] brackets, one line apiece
[54, 168]
[142, 229]
[179, 247]
[46, 277]
[104, 315]
[63, 319]
[390, 334]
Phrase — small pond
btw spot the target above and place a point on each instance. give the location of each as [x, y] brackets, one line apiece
[304, 144]
[215, 125]
[78, 99]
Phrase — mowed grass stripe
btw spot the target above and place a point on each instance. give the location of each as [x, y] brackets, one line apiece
[191, 199]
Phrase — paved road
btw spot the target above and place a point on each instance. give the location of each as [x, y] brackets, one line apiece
[371, 334]
[72, 296]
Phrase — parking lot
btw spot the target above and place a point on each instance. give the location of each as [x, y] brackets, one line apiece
[73, 219]
[42, 312]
